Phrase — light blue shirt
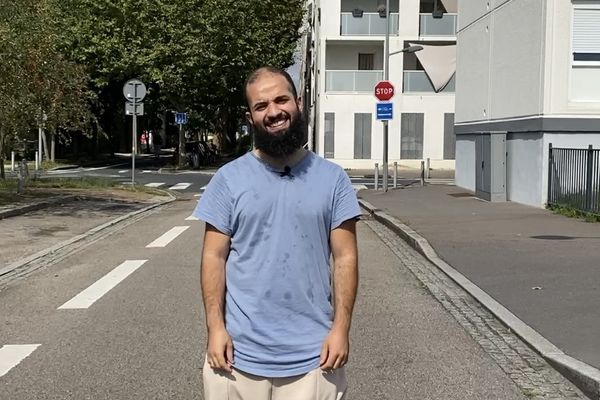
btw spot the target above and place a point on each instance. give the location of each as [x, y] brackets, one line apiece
[278, 282]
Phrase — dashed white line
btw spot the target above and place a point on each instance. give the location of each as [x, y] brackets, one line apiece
[98, 289]
[180, 186]
[12, 354]
[123, 171]
[167, 237]
[197, 195]
[154, 184]
[191, 218]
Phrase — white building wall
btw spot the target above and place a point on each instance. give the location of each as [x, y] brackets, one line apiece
[525, 169]
[345, 56]
[464, 175]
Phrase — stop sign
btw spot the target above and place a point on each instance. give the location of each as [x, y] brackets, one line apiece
[384, 90]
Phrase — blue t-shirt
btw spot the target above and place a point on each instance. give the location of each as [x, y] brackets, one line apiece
[278, 299]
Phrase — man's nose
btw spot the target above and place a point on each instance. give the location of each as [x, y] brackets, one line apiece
[273, 111]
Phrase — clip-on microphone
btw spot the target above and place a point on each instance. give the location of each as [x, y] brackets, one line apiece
[286, 171]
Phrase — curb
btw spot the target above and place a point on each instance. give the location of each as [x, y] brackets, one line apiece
[584, 376]
[35, 206]
[20, 263]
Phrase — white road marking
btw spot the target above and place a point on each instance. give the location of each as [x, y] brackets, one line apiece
[180, 186]
[197, 195]
[154, 184]
[12, 354]
[123, 171]
[191, 218]
[166, 238]
[359, 187]
[98, 289]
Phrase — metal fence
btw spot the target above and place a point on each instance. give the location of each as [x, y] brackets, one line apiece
[574, 178]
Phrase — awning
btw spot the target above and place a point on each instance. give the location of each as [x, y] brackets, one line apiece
[439, 63]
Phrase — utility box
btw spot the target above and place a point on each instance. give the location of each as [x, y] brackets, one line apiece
[490, 166]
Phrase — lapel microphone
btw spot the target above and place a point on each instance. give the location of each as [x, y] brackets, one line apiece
[286, 171]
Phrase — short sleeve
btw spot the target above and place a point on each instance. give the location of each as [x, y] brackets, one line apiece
[345, 203]
[215, 205]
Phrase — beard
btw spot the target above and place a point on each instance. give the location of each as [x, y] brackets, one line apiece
[283, 143]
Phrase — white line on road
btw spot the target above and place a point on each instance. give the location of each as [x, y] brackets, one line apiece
[123, 171]
[166, 238]
[146, 171]
[154, 184]
[98, 289]
[197, 195]
[191, 218]
[12, 354]
[180, 186]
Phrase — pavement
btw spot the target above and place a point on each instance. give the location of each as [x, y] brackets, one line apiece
[514, 277]
[536, 271]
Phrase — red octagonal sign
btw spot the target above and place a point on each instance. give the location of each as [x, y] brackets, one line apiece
[384, 90]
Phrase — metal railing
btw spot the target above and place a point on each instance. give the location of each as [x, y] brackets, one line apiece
[417, 81]
[445, 26]
[574, 178]
[351, 81]
[370, 24]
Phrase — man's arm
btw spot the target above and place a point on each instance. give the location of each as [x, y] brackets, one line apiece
[214, 256]
[335, 350]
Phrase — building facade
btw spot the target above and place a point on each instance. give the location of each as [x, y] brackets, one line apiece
[528, 75]
[344, 54]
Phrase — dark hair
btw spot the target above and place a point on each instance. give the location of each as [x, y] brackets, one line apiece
[254, 75]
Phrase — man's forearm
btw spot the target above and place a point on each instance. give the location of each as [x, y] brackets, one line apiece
[213, 291]
[345, 283]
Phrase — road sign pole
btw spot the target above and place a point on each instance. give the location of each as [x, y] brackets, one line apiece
[386, 76]
[133, 138]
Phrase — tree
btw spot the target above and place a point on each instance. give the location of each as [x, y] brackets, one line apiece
[194, 54]
[36, 79]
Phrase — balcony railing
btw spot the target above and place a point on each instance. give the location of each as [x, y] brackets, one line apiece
[417, 81]
[351, 81]
[445, 26]
[370, 24]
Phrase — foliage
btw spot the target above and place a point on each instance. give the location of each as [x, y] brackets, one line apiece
[572, 212]
[37, 80]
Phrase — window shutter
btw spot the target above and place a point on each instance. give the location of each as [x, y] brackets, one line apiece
[586, 30]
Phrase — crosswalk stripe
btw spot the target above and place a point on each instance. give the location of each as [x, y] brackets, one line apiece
[12, 354]
[98, 289]
[192, 218]
[167, 237]
[180, 186]
[154, 184]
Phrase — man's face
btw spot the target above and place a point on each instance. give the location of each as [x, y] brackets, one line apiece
[274, 115]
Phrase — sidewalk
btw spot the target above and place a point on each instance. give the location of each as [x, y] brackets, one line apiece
[544, 268]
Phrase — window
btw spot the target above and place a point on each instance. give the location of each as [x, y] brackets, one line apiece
[365, 61]
[411, 136]
[329, 135]
[585, 61]
[362, 136]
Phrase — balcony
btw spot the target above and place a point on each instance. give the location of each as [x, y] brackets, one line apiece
[445, 26]
[351, 81]
[370, 24]
[418, 82]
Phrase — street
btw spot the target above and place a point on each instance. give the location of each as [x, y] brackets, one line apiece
[123, 319]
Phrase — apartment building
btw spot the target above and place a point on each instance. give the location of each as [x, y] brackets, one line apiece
[344, 52]
[528, 76]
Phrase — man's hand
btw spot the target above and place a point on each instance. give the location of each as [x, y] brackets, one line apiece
[335, 350]
[220, 350]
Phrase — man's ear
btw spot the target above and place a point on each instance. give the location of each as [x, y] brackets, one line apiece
[249, 117]
[299, 102]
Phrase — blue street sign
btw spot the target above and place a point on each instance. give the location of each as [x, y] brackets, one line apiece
[385, 111]
[181, 118]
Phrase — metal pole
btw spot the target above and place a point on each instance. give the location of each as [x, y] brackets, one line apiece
[39, 143]
[133, 138]
[422, 173]
[386, 76]
[376, 176]
[12, 161]
[37, 160]
[427, 171]
[395, 175]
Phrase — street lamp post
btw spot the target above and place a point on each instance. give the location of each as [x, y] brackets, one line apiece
[386, 76]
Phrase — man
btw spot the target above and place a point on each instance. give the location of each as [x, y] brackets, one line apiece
[273, 219]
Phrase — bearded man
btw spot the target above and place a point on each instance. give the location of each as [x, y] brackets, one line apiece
[277, 328]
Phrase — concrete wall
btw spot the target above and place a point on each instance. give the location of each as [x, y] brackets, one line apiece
[525, 168]
[500, 70]
[345, 56]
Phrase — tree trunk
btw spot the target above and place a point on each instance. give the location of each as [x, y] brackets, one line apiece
[52, 146]
[2, 175]
[45, 147]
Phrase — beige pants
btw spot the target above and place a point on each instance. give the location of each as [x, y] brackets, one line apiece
[237, 385]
